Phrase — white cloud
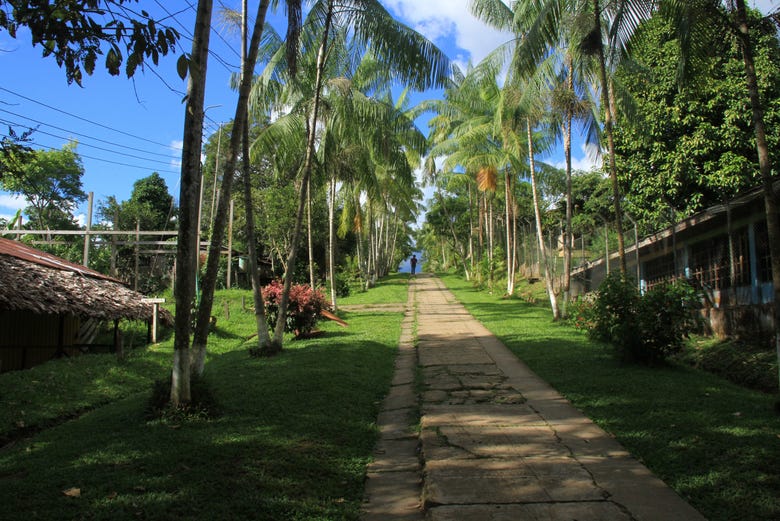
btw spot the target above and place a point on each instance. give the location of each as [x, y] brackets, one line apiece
[450, 25]
[12, 202]
[587, 160]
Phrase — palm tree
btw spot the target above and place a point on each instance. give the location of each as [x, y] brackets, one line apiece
[540, 22]
[209, 282]
[408, 55]
[464, 133]
[570, 101]
[187, 249]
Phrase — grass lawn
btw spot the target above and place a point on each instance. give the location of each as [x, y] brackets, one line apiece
[292, 440]
[389, 290]
[715, 443]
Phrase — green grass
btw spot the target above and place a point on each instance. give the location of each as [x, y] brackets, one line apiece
[389, 290]
[717, 444]
[292, 441]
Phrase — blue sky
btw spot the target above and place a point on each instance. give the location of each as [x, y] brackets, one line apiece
[129, 128]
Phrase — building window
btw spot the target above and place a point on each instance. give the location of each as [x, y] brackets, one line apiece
[763, 258]
[659, 270]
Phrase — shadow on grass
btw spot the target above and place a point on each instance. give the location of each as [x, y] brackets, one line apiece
[292, 443]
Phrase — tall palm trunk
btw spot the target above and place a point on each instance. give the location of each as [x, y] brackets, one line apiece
[548, 280]
[209, 283]
[510, 261]
[263, 337]
[332, 240]
[567, 235]
[764, 165]
[187, 248]
[310, 234]
[471, 229]
[307, 170]
[606, 108]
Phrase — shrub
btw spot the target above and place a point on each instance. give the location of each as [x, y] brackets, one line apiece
[665, 320]
[343, 284]
[581, 313]
[614, 313]
[302, 310]
[648, 328]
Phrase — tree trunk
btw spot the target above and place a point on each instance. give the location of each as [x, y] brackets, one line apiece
[309, 233]
[332, 240]
[539, 233]
[567, 235]
[764, 165]
[471, 229]
[510, 262]
[607, 109]
[209, 282]
[307, 170]
[187, 248]
[263, 337]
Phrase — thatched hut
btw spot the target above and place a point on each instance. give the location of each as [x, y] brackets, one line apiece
[49, 307]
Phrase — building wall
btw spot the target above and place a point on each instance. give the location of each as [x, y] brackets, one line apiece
[28, 339]
[731, 306]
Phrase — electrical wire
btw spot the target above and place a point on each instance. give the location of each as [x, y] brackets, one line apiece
[101, 125]
[73, 133]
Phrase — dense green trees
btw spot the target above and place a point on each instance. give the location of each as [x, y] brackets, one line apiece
[50, 182]
[150, 208]
[691, 146]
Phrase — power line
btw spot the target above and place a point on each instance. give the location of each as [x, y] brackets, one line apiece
[167, 156]
[93, 146]
[116, 162]
[85, 119]
[176, 149]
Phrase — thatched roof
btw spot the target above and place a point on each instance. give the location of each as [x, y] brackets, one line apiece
[35, 281]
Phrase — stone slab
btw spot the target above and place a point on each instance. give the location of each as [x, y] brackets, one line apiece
[581, 511]
[486, 481]
[396, 455]
[392, 496]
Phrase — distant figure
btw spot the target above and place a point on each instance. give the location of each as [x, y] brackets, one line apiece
[413, 262]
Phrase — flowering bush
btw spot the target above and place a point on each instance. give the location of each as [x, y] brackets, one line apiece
[582, 314]
[302, 310]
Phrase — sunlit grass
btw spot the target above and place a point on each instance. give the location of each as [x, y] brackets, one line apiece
[292, 441]
[717, 444]
[390, 290]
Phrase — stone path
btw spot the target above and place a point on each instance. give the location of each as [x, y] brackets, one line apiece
[493, 442]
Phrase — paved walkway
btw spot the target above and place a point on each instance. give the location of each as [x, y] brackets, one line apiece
[494, 442]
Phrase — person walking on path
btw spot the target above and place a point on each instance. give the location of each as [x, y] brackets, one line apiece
[413, 263]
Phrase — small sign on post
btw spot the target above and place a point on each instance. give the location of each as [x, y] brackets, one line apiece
[155, 302]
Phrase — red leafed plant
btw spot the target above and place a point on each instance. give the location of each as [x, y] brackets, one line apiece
[302, 310]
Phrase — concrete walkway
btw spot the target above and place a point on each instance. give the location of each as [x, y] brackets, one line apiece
[494, 442]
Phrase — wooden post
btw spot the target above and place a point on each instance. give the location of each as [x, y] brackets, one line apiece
[137, 253]
[113, 245]
[118, 345]
[86, 231]
[155, 302]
